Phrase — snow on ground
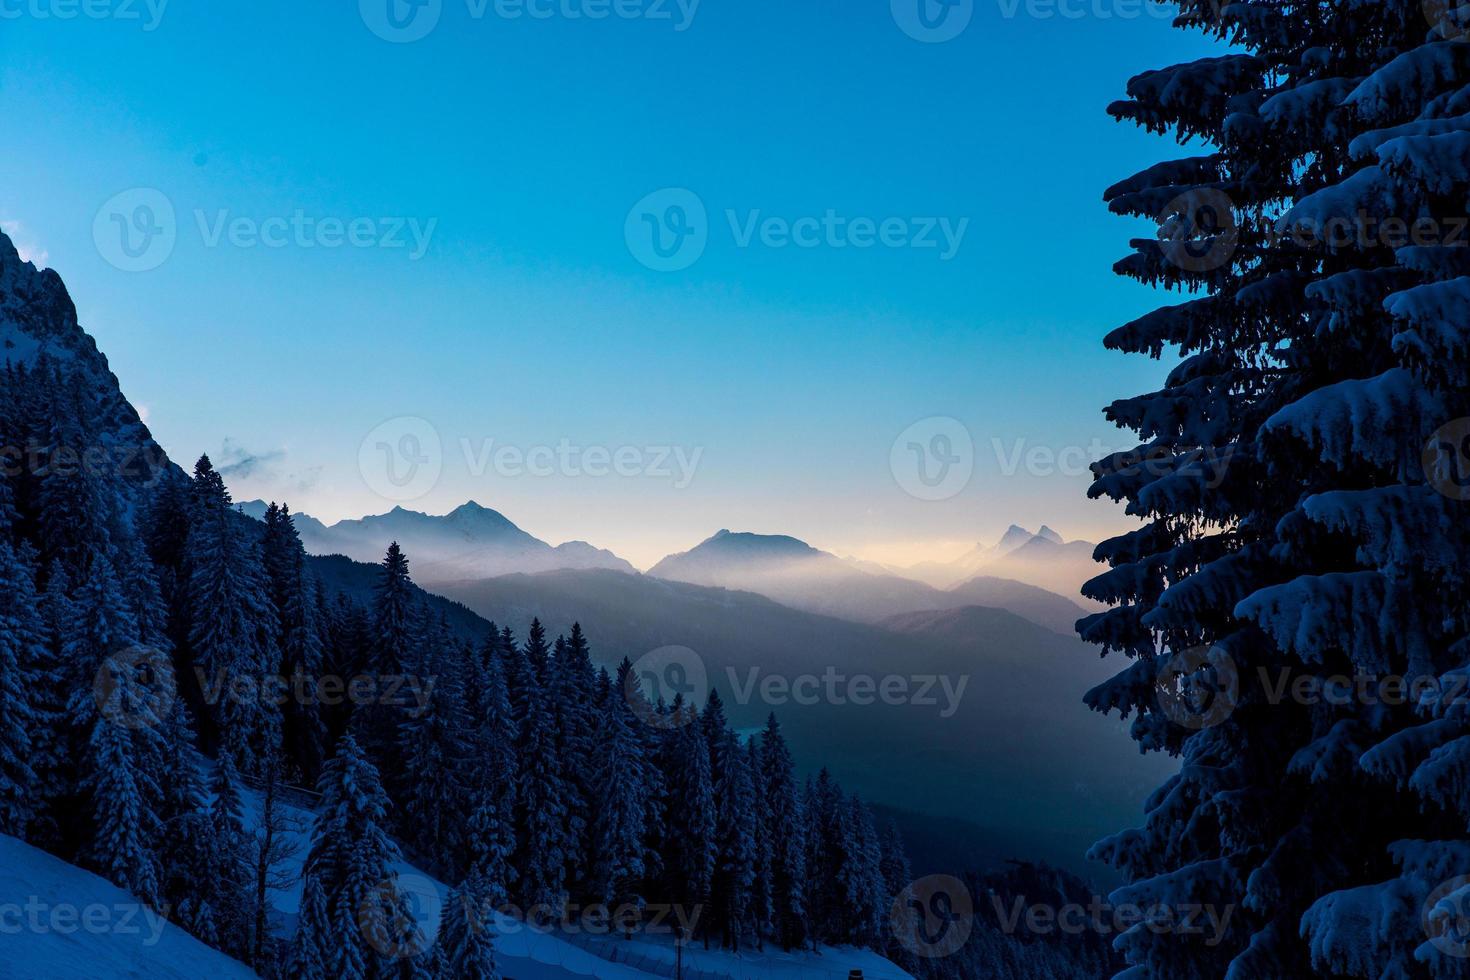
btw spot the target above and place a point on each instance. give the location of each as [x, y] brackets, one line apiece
[523, 953]
[58, 922]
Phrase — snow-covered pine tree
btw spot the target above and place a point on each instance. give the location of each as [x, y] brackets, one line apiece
[489, 830]
[126, 829]
[9, 514]
[538, 653]
[434, 754]
[786, 829]
[397, 619]
[620, 808]
[100, 625]
[897, 875]
[689, 840]
[572, 691]
[74, 506]
[733, 882]
[466, 945]
[189, 858]
[655, 794]
[293, 594]
[353, 912]
[540, 804]
[829, 841]
[51, 743]
[22, 644]
[231, 634]
[1300, 478]
[715, 725]
[862, 875]
[117, 775]
[397, 649]
[231, 870]
[761, 907]
[347, 636]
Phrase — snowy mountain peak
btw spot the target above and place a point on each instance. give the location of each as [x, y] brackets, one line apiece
[38, 319]
[37, 315]
[753, 541]
[470, 542]
[1048, 534]
[1014, 537]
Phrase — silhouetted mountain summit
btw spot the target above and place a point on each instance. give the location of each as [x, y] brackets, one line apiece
[471, 541]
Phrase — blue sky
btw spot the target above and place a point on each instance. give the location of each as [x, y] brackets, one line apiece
[495, 290]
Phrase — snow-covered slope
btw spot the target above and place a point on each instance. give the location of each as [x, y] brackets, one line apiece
[58, 922]
[523, 953]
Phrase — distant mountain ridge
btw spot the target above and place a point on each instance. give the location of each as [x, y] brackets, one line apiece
[1010, 760]
[472, 541]
[795, 574]
[1043, 559]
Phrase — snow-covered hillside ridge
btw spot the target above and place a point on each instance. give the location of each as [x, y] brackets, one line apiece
[38, 321]
[58, 922]
[578, 946]
[61, 922]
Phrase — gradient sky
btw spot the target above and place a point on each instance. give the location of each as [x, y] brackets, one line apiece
[528, 320]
